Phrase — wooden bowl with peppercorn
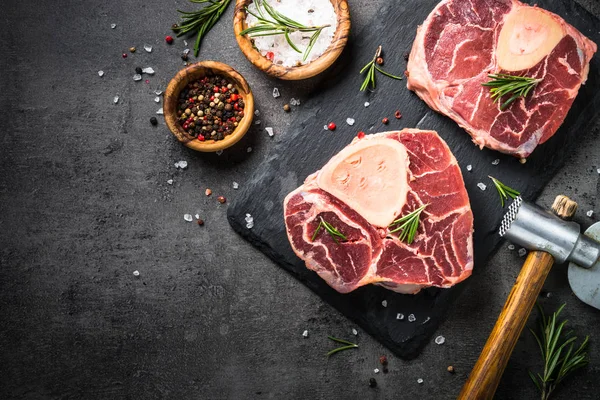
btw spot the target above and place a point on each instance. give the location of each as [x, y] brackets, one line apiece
[208, 106]
[288, 42]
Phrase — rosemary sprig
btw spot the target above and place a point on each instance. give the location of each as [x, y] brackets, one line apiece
[201, 21]
[271, 23]
[333, 232]
[503, 85]
[553, 344]
[349, 345]
[504, 191]
[370, 68]
[409, 224]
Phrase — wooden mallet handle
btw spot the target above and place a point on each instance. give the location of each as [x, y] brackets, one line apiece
[485, 376]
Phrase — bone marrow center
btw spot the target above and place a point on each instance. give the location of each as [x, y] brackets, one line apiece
[371, 177]
[528, 35]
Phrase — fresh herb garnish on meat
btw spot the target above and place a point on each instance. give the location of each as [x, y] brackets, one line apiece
[201, 21]
[504, 191]
[408, 225]
[370, 68]
[516, 86]
[271, 22]
[332, 230]
[348, 345]
[560, 356]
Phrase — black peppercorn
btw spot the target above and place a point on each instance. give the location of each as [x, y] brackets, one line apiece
[372, 382]
[153, 121]
[138, 70]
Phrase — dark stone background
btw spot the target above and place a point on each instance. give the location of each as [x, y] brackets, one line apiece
[84, 202]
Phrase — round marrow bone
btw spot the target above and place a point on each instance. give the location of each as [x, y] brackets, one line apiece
[528, 35]
[370, 176]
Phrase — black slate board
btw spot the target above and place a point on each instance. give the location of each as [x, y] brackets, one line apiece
[307, 146]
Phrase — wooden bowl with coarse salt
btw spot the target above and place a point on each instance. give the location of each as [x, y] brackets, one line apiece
[302, 69]
[191, 74]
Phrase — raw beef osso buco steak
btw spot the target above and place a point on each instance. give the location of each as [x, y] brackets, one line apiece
[361, 191]
[461, 42]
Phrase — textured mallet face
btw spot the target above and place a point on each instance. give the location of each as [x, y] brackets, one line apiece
[510, 216]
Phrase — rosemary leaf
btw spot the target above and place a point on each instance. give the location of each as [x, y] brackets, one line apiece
[503, 84]
[407, 225]
[329, 228]
[271, 23]
[370, 68]
[349, 345]
[504, 191]
[557, 353]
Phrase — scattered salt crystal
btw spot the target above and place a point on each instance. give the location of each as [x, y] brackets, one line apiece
[598, 170]
[148, 70]
[325, 127]
[440, 340]
[181, 164]
[116, 99]
[590, 213]
[170, 181]
[548, 295]
[376, 370]
[157, 99]
[100, 74]
[400, 316]
[185, 42]
[249, 149]
[137, 77]
[249, 221]
[367, 104]
[411, 318]
[469, 168]
[305, 334]
[481, 186]
[257, 122]
[350, 121]
[427, 320]
[160, 111]
[384, 303]
[219, 152]
[257, 113]
[420, 381]
[496, 161]
[522, 252]
[136, 273]
[188, 217]
[113, 26]
[148, 48]
[269, 130]
[158, 92]
[197, 216]
[276, 93]
[186, 51]
[354, 332]
[511, 247]
[235, 185]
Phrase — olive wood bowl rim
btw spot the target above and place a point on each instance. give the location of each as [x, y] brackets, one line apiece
[196, 71]
[337, 45]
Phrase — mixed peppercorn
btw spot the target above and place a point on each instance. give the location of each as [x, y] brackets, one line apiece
[210, 108]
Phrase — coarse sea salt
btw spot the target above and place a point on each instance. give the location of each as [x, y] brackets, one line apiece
[157, 99]
[400, 316]
[511, 247]
[148, 70]
[148, 48]
[136, 273]
[481, 186]
[419, 381]
[235, 185]
[170, 181]
[113, 26]
[412, 318]
[269, 131]
[350, 121]
[188, 217]
[376, 370]
[160, 111]
[116, 99]
[250, 224]
[158, 92]
[590, 213]
[469, 168]
[181, 164]
[219, 152]
[276, 93]
[496, 161]
[100, 74]
[306, 12]
[305, 334]
[440, 340]
[354, 332]
[367, 104]
[249, 150]
[598, 170]
[137, 77]
[522, 252]
[384, 303]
